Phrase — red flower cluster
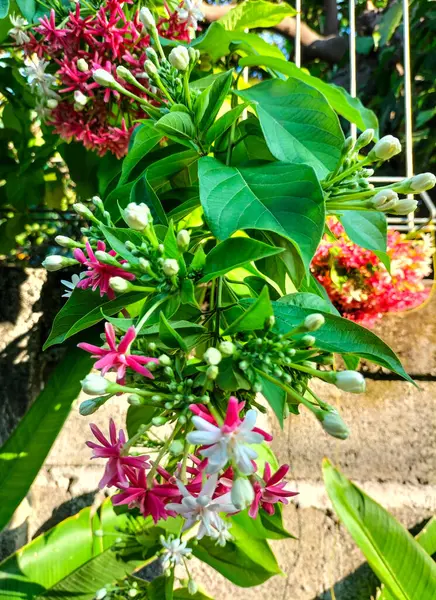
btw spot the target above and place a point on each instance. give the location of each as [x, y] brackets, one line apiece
[361, 287]
[100, 118]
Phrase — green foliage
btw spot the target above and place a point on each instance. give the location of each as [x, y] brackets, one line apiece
[258, 13]
[398, 560]
[24, 452]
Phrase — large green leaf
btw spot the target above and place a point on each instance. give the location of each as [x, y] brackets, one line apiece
[216, 42]
[4, 8]
[209, 102]
[340, 100]
[298, 123]
[178, 126]
[72, 560]
[254, 317]
[256, 13]
[23, 454]
[235, 252]
[245, 562]
[278, 197]
[84, 309]
[145, 139]
[367, 229]
[397, 559]
[337, 334]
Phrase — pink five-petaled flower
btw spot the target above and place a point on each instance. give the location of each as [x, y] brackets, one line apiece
[270, 491]
[230, 441]
[150, 501]
[98, 274]
[112, 449]
[118, 358]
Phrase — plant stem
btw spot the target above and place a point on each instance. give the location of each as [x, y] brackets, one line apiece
[162, 453]
[349, 171]
[148, 313]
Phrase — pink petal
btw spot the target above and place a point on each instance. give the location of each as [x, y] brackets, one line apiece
[96, 350]
[90, 252]
[128, 338]
[99, 435]
[79, 255]
[110, 336]
[133, 364]
[109, 360]
[278, 475]
[112, 432]
[232, 415]
[144, 360]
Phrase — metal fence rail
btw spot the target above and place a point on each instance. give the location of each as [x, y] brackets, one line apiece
[402, 223]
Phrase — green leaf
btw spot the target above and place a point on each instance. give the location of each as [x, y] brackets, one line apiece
[137, 416]
[396, 558]
[337, 334]
[286, 112]
[256, 13]
[24, 452]
[233, 253]
[389, 22]
[221, 125]
[169, 335]
[368, 229]
[145, 139]
[84, 561]
[338, 98]
[209, 102]
[116, 238]
[249, 145]
[312, 301]
[4, 8]
[276, 398]
[178, 126]
[27, 9]
[245, 564]
[278, 197]
[84, 309]
[255, 316]
[264, 527]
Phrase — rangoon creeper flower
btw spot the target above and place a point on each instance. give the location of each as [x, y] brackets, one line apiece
[137, 216]
[40, 81]
[190, 13]
[203, 508]
[222, 534]
[270, 490]
[170, 267]
[18, 33]
[179, 58]
[175, 552]
[118, 358]
[242, 494]
[70, 285]
[385, 148]
[112, 449]
[229, 442]
[98, 274]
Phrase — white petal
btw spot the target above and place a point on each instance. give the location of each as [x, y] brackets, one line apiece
[203, 425]
[249, 422]
[252, 437]
[204, 437]
[209, 487]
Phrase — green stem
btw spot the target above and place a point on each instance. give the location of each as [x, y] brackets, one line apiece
[186, 89]
[148, 313]
[344, 174]
[162, 453]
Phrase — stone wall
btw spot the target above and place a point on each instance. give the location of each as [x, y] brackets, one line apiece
[390, 454]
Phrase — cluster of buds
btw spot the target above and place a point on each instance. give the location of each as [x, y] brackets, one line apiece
[348, 188]
[64, 51]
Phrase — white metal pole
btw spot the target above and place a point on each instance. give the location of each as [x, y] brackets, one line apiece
[408, 99]
[297, 56]
[353, 69]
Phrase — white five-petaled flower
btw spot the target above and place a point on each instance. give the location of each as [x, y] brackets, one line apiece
[190, 13]
[175, 552]
[70, 285]
[17, 32]
[203, 508]
[222, 534]
[228, 442]
[40, 81]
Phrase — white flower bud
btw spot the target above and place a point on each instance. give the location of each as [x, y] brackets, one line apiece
[52, 103]
[65, 242]
[384, 198]
[349, 381]
[364, 139]
[150, 67]
[192, 587]
[119, 285]
[107, 259]
[385, 148]
[100, 594]
[333, 424]
[89, 407]
[147, 19]
[212, 356]
[164, 360]
[104, 78]
[242, 494]
[227, 348]
[170, 267]
[417, 184]
[137, 216]
[176, 447]
[80, 98]
[314, 322]
[405, 206]
[82, 210]
[95, 385]
[55, 262]
[212, 372]
[179, 58]
[125, 74]
[183, 239]
[82, 65]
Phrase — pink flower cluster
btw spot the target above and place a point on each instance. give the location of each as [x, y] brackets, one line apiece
[358, 283]
[205, 492]
[113, 36]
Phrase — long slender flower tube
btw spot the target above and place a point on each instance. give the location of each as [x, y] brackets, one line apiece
[118, 358]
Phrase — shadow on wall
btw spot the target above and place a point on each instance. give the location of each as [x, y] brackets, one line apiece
[361, 584]
[11, 280]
